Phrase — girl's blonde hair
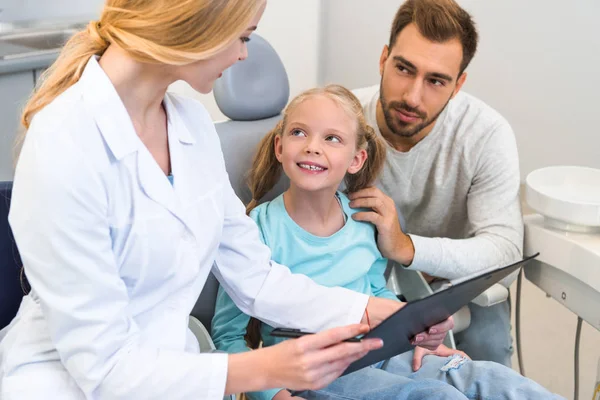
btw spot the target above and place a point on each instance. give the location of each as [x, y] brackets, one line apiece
[266, 169]
[174, 32]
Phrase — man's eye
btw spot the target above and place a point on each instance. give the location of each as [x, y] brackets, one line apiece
[436, 82]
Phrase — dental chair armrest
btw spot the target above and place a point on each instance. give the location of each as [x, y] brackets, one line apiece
[494, 295]
[202, 335]
[205, 342]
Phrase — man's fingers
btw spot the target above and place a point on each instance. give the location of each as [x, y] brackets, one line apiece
[367, 192]
[367, 216]
[369, 202]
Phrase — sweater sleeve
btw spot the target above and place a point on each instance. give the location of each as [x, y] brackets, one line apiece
[495, 235]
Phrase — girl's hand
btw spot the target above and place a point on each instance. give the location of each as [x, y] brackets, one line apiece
[441, 351]
[379, 309]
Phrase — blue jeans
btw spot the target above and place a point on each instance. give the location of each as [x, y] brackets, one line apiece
[488, 336]
[438, 378]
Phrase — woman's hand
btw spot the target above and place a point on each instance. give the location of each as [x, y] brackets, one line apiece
[307, 363]
[379, 309]
[441, 351]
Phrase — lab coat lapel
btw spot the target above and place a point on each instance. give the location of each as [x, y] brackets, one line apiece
[180, 143]
[105, 106]
[155, 184]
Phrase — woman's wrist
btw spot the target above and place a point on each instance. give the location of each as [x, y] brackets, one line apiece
[247, 372]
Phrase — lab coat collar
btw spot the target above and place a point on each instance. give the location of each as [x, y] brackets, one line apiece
[112, 118]
[105, 106]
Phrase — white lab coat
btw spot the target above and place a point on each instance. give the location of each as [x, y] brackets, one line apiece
[117, 256]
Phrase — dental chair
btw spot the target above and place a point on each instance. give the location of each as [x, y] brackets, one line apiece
[11, 288]
[252, 93]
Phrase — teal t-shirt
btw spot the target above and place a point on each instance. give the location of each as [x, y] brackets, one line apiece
[348, 258]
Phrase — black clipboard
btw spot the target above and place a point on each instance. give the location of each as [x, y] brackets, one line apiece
[417, 316]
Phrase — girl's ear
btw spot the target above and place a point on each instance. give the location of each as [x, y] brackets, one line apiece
[358, 161]
[278, 147]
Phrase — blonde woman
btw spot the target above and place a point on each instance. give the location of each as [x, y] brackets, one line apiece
[121, 207]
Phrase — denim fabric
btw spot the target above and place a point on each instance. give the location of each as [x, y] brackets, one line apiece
[488, 336]
[438, 378]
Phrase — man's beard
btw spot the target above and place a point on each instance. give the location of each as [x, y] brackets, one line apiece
[399, 127]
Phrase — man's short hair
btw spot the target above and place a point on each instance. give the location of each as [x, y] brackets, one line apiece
[438, 21]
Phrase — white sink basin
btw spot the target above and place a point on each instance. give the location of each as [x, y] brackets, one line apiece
[567, 196]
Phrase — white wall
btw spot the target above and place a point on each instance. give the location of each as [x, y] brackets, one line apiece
[293, 29]
[354, 33]
[538, 65]
[20, 10]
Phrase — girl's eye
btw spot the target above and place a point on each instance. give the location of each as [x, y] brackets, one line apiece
[298, 132]
[332, 138]
[245, 39]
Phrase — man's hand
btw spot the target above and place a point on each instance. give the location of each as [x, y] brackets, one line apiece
[441, 351]
[391, 240]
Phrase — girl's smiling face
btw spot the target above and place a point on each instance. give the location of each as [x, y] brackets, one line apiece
[318, 145]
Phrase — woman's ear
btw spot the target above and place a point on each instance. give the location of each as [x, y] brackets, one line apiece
[278, 147]
[358, 161]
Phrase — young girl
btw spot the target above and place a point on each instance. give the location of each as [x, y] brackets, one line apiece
[322, 141]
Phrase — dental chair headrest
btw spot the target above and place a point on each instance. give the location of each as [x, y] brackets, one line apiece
[255, 88]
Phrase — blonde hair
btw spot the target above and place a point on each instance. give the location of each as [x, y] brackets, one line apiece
[174, 32]
[266, 169]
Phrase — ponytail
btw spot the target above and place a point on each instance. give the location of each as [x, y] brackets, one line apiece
[376, 152]
[67, 69]
[266, 169]
[252, 336]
